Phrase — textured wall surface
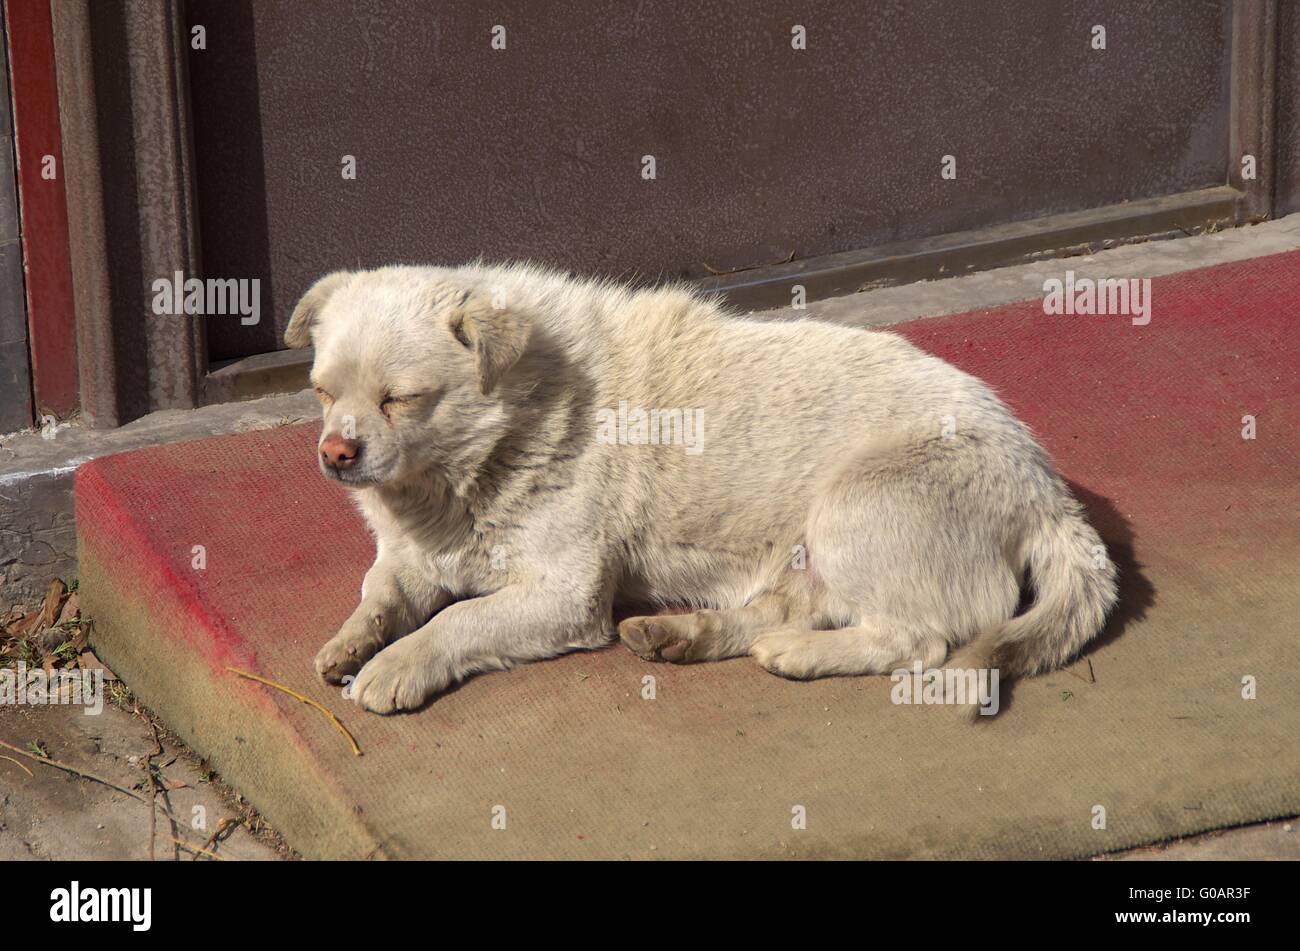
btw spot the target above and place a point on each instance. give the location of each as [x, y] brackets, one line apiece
[762, 151]
[1288, 109]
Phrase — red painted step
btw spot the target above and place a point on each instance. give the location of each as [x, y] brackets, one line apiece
[1145, 420]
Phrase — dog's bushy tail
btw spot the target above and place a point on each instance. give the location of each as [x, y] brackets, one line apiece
[1074, 586]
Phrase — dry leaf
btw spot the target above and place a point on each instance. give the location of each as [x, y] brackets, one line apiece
[44, 616]
[53, 598]
[89, 661]
[71, 609]
[26, 624]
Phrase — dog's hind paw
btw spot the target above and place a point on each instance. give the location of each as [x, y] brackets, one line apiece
[675, 638]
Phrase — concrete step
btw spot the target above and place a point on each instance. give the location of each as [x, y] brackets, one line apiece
[233, 552]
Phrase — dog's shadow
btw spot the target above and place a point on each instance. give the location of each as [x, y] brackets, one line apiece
[1136, 592]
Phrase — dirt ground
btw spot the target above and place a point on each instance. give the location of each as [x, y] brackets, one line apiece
[53, 814]
[77, 777]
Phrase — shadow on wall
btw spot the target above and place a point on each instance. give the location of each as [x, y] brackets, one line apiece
[226, 91]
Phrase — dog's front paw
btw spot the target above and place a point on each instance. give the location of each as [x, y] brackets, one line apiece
[346, 652]
[403, 676]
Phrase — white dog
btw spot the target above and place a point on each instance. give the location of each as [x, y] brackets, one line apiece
[530, 449]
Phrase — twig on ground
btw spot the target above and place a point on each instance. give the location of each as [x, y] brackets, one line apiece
[748, 267]
[19, 765]
[197, 850]
[307, 700]
[222, 827]
[153, 784]
[50, 761]
[1071, 671]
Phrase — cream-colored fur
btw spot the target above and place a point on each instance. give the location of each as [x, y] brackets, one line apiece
[842, 504]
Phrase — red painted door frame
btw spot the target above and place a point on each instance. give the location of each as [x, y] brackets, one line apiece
[43, 210]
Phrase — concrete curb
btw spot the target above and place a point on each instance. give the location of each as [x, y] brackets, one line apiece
[38, 538]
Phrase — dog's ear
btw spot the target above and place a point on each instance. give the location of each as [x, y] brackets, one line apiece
[298, 333]
[496, 336]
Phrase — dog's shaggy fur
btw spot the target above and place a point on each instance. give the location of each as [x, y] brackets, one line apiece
[843, 504]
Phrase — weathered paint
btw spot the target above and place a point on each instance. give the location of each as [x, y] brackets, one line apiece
[50, 316]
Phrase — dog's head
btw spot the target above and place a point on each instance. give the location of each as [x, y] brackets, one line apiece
[409, 367]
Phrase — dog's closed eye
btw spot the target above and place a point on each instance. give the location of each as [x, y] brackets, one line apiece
[388, 403]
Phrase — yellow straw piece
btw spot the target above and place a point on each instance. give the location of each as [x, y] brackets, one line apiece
[307, 700]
